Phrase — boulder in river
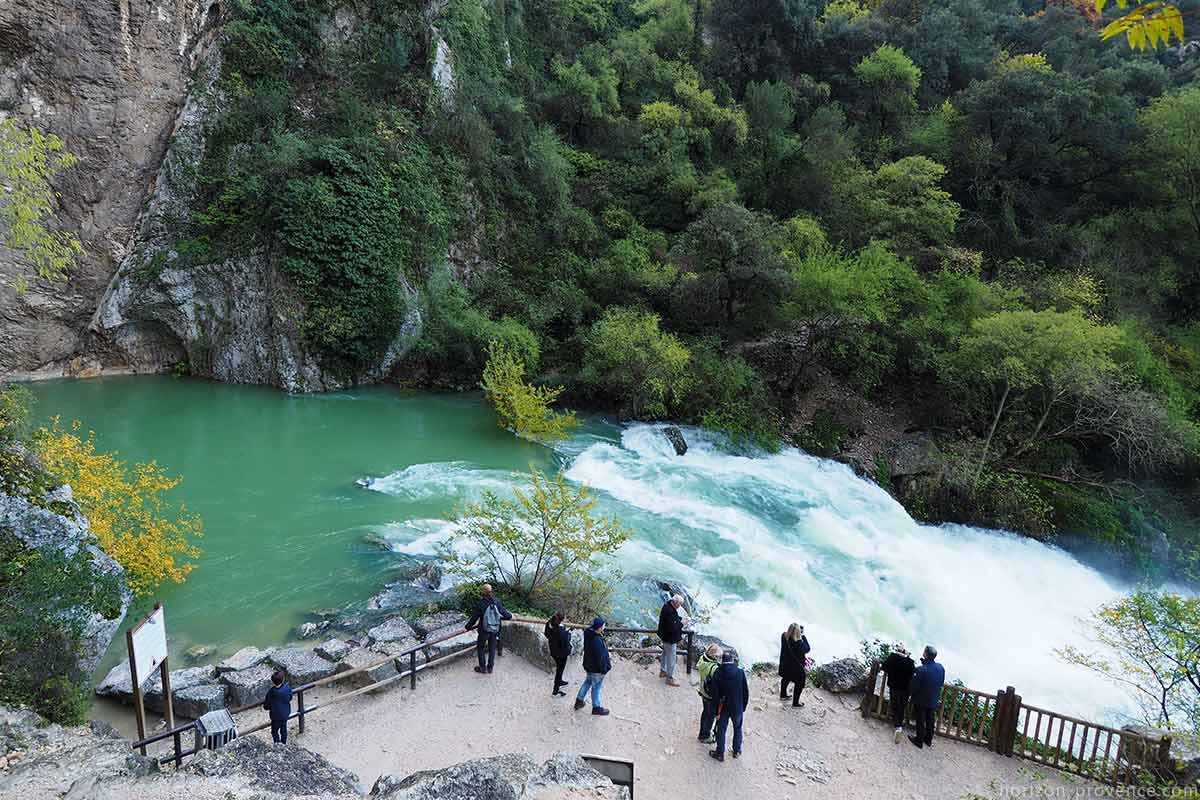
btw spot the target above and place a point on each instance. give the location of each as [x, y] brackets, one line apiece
[196, 701]
[245, 658]
[247, 686]
[502, 778]
[117, 684]
[198, 652]
[300, 665]
[310, 630]
[845, 675]
[394, 630]
[181, 679]
[675, 437]
[333, 650]
[665, 589]
[438, 621]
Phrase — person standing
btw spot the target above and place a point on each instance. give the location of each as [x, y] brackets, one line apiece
[926, 694]
[898, 667]
[670, 630]
[706, 665]
[596, 664]
[793, 649]
[489, 612]
[278, 704]
[731, 691]
[559, 640]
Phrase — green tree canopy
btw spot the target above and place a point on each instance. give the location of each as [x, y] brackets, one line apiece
[630, 362]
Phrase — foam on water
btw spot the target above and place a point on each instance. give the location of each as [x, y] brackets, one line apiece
[444, 479]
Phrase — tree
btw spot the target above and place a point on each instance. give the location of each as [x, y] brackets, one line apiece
[889, 81]
[1031, 364]
[739, 271]
[547, 536]
[1169, 156]
[1148, 643]
[29, 159]
[522, 407]
[901, 203]
[631, 362]
[125, 508]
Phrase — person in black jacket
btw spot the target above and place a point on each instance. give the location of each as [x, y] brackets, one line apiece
[670, 630]
[731, 691]
[898, 667]
[596, 664]
[489, 612]
[793, 648]
[278, 704]
[559, 640]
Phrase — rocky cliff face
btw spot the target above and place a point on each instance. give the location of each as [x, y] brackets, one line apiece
[109, 78]
[38, 527]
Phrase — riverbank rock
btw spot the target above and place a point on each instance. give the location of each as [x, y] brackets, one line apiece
[428, 577]
[376, 541]
[117, 684]
[247, 686]
[181, 679]
[530, 643]
[243, 659]
[701, 641]
[380, 669]
[843, 676]
[198, 652]
[394, 630]
[438, 621]
[68, 533]
[333, 650]
[675, 437]
[300, 665]
[196, 701]
[311, 630]
[665, 589]
[460, 640]
[402, 595]
[282, 769]
[505, 777]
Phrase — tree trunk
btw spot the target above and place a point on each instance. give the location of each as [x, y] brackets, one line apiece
[991, 432]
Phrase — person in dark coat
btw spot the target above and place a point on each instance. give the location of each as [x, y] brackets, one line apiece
[925, 692]
[596, 664]
[898, 667]
[731, 691]
[278, 704]
[670, 630]
[559, 640]
[489, 612]
[793, 648]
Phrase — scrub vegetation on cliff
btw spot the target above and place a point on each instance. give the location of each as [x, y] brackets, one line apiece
[976, 218]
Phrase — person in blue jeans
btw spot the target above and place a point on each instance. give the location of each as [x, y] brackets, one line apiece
[278, 704]
[731, 691]
[596, 664]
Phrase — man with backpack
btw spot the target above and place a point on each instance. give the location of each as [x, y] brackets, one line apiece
[731, 692]
[489, 612]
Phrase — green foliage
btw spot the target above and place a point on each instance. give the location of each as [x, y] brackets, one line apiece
[520, 406]
[889, 81]
[629, 362]
[45, 599]
[900, 203]
[29, 160]
[823, 435]
[547, 537]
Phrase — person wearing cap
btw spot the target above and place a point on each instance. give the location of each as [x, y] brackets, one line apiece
[731, 691]
[898, 667]
[596, 664]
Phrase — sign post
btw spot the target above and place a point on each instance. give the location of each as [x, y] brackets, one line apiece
[147, 646]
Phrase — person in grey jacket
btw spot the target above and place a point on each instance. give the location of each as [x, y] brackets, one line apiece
[925, 694]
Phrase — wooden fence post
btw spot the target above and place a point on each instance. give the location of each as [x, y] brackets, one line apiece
[300, 708]
[869, 697]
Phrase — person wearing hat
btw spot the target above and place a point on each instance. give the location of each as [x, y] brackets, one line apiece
[596, 664]
[731, 692]
[899, 668]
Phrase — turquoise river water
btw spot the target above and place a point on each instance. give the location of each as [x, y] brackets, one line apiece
[762, 540]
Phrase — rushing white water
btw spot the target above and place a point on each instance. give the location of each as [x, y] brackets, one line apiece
[770, 539]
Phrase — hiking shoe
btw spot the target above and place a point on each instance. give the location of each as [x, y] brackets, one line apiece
[662, 673]
[481, 670]
[737, 753]
[578, 704]
[557, 693]
[600, 711]
[715, 755]
[672, 682]
[899, 733]
[916, 743]
[797, 705]
[489, 670]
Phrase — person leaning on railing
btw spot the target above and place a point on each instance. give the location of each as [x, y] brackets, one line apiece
[926, 695]
[670, 630]
[899, 669]
[489, 612]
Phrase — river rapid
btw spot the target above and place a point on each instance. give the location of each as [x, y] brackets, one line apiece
[762, 540]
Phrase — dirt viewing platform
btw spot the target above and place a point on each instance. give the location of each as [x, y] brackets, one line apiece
[823, 750]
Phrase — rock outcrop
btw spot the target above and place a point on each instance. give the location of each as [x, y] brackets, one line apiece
[285, 770]
[846, 675]
[109, 78]
[68, 533]
[507, 777]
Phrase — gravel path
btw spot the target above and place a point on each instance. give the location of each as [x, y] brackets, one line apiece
[824, 750]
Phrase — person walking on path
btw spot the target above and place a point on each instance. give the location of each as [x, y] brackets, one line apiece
[793, 648]
[489, 612]
[559, 640]
[926, 694]
[707, 664]
[898, 667]
[731, 690]
[670, 630]
[596, 664]
[278, 704]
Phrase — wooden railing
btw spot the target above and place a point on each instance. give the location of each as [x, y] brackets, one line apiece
[1004, 724]
[410, 655]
